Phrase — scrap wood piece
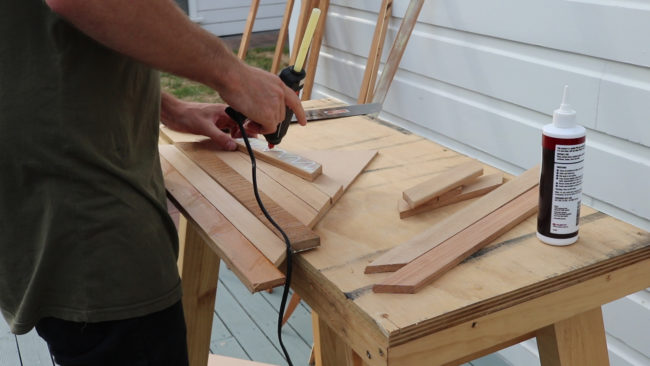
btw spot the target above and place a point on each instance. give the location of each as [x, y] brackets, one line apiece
[259, 235]
[436, 262]
[403, 254]
[205, 155]
[291, 162]
[247, 262]
[442, 183]
[478, 187]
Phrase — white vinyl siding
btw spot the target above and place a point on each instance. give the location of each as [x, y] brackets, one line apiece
[228, 17]
[484, 76]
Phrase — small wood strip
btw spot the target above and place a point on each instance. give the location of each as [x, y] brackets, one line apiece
[216, 360]
[478, 187]
[204, 155]
[442, 183]
[374, 55]
[290, 162]
[282, 37]
[436, 262]
[259, 235]
[251, 267]
[403, 254]
[248, 30]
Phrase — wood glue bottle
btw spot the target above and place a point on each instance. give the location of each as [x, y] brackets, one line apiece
[560, 185]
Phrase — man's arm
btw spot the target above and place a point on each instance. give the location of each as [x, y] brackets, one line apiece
[157, 33]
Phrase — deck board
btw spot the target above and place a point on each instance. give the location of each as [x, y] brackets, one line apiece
[33, 350]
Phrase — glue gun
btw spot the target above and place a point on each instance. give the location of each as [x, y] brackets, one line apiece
[291, 78]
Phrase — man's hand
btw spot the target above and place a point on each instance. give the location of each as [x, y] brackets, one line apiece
[203, 119]
[261, 96]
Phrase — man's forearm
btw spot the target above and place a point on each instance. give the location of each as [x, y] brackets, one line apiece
[155, 32]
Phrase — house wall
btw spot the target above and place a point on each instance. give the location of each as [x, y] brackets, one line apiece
[228, 17]
[484, 76]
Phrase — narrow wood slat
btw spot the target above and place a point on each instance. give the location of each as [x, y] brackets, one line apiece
[374, 54]
[403, 254]
[259, 235]
[478, 187]
[282, 37]
[288, 161]
[216, 360]
[248, 30]
[442, 183]
[254, 270]
[314, 51]
[303, 17]
[204, 155]
[436, 262]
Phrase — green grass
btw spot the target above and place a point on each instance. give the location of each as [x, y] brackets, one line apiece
[188, 90]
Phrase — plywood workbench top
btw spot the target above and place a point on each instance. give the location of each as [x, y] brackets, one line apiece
[513, 270]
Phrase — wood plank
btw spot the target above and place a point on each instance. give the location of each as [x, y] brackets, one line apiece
[204, 155]
[290, 162]
[442, 183]
[8, 348]
[331, 349]
[374, 54]
[303, 17]
[216, 360]
[259, 235]
[251, 266]
[282, 37]
[248, 30]
[199, 274]
[314, 50]
[287, 199]
[403, 254]
[436, 262]
[478, 187]
[577, 341]
[33, 349]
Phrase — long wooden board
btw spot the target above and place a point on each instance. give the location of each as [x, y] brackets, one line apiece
[374, 54]
[290, 162]
[205, 156]
[255, 271]
[256, 232]
[442, 183]
[479, 187]
[436, 262]
[403, 254]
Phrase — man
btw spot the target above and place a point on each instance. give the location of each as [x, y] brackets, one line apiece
[87, 250]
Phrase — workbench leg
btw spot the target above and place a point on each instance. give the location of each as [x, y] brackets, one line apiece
[199, 273]
[329, 348]
[577, 341]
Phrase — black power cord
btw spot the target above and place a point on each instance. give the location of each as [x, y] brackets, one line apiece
[287, 282]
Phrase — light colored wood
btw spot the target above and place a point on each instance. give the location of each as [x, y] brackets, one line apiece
[436, 262]
[170, 136]
[401, 255]
[481, 332]
[205, 155]
[314, 51]
[478, 187]
[282, 37]
[217, 360]
[251, 267]
[248, 30]
[293, 303]
[286, 160]
[200, 274]
[333, 351]
[287, 199]
[258, 234]
[374, 54]
[442, 183]
[577, 341]
[303, 17]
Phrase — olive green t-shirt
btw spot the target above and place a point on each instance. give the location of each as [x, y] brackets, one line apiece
[84, 231]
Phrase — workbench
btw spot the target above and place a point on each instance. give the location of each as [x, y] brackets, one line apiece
[514, 289]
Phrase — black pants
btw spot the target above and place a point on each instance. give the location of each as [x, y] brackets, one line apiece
[156, 339]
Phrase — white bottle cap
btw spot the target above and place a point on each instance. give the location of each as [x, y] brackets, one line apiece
[565, 116]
